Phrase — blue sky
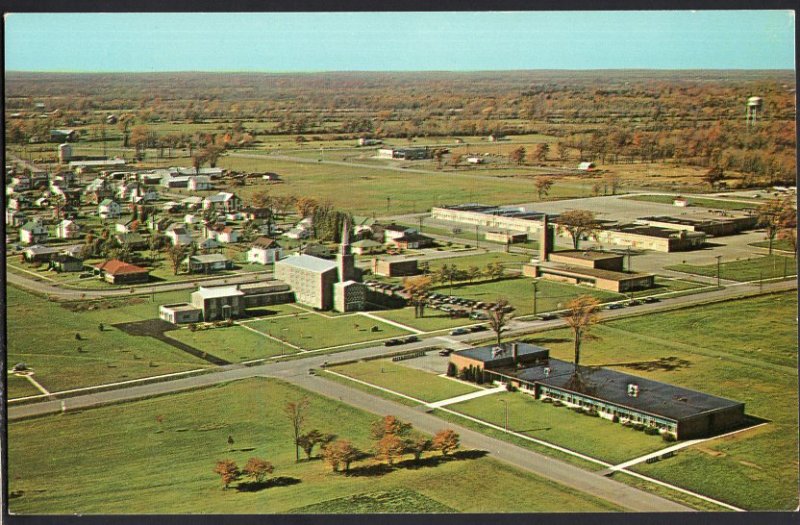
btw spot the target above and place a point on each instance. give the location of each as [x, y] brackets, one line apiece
[400, 41]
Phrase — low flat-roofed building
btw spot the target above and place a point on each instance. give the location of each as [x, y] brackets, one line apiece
[652, 238]
[266, 293]
[613, 395]
[212, 262]
[610, 280]
[505, 237]
[396, 268]
[715, 227]
[179, 313]
[588, 259]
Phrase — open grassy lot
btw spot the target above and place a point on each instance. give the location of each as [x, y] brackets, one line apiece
[596, 437]
[432, 321]
[406, 380]
[766, 267]
[668, 285]
[744, 350]
[232, 343]
[19, 386]
[369, 187]
[43, 335]
[121, 459]
[312, 331]
[696, 201]
[777, 244]
[509, 260]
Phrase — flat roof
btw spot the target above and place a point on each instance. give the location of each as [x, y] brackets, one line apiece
[218, 291]
[308, 262]
[651, 231]
[587, 255]
[604, 384]
[487, 355]
[209, 258]
[179, 307]
[593, 272]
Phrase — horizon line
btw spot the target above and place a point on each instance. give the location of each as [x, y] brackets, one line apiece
[314, 71]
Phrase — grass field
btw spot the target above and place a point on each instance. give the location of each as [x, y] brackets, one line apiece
[406, 380]
[313, 331]
[778, 244]
[369, 187]
[744, 350]
[509, 260]
[232, 343]
[668, 285]
[42, 334]
[766, 267]
[696, 201]
[433, 319]
[121, 459]
[19, 386]
[596, 437]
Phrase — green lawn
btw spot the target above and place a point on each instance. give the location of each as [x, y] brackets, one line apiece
[766, 267]
[744, 350]
[406, 380]
[232, 343]
[594, 436]
[20, 387]
[312, 331]
[433, 319]
[42, 334]
[696, 201]
[777, 244]
[121, 459]
[669, 285]
[509, 260]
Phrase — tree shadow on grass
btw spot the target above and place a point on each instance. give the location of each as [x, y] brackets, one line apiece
[434, 461]
[255, 486]
[369, 471]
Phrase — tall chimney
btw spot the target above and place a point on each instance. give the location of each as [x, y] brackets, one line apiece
[545, 240]
[514, 352]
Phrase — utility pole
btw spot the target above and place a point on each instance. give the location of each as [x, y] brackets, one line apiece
[535, 286]
[477, 239]
[719, 257]
[420, 223]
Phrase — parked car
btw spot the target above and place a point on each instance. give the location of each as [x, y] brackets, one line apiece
[650, 300]
[615, 306]
[478, 315]
[634, 302]
[547, 317]
[410, 339]
[459, 331]
[478, 328]
[393, 342]
[446, 352]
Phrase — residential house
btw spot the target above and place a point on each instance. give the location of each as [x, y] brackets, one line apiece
[395, 231]
[315, 250]
[15, 218]
[115, 271]
[586, 166]
[108, 209]
[63, 262]
[39, 253]
[224, 234]
[207, 245]
[178, 234]
[192, 203]
[126, 226]
[133, 240]
[200, 183]
[32, 232]
[252, 214]
[264, 251]
[64, 135]
[412, 241]
[366, 246]
[222, 201]
[68, 229]
[209, 263]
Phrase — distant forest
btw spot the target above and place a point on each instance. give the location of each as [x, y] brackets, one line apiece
[691, 117]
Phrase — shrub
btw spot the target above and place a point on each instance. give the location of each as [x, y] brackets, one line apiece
[547, 400]
[668, 437]
[558, 403]
[579, 410]
[592, 413]
[451, 370]
[615, 419]
[651, 431]
[192, 327]
[638, 426]
[510, 387]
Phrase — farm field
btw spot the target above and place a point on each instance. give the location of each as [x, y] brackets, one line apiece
[233, 343]
[406, 380]
[755, 469]
[312, 331]
[42, 334]
[765, 267]
[119, 466]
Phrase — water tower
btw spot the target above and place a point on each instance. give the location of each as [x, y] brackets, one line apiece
[754, 106]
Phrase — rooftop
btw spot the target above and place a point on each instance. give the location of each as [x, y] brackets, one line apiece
[218, 291]
[591, 272]
[117, 267]
[209, 258]
[488, 355]
[587, 255]
[308, 262]
[651, 231]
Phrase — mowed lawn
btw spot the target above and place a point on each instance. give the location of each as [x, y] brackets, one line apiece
[312, 331]
[744, 350]
[766, 267]
[232, 343]
[432, 320]
[594, 436]
[406, 380]
[368, 188]
[156, 455]
[20, 386]
[42, 334]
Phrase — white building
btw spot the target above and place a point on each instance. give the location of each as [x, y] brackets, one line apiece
[32, 232]
[108, 209]
[68, 229]
[264, 251]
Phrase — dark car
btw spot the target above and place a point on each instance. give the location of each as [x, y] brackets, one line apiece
[650, 300]
[410, 339]
[459, 331]
[615, 306]
[393, 342]
[634, 302]
[478, 328]
[446, 352]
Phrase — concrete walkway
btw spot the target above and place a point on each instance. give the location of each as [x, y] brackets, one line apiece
[467, 397]
[393, 323]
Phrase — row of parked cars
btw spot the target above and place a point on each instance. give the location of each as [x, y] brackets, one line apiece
[633, 302]
[401, 341]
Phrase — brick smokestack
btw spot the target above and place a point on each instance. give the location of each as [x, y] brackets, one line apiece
[545, 240]
[515, 352]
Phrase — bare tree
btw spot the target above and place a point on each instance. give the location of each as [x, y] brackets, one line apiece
[499, 318]
[776, 215]
[175, 255]
[581, 315]
[417, 288]
[543, 185]
[296, 413]
[578, 224]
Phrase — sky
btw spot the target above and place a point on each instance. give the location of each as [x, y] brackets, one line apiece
[386, 41]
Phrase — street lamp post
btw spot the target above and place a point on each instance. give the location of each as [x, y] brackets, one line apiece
[477, 239]
[719, 257]
[505, 403]
[535, 286]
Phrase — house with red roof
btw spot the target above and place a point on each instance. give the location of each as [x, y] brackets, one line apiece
[118, 272]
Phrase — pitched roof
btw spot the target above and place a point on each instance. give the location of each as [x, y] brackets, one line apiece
[265, 242]
[209, 258]
[106, 202]
[117, 267]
